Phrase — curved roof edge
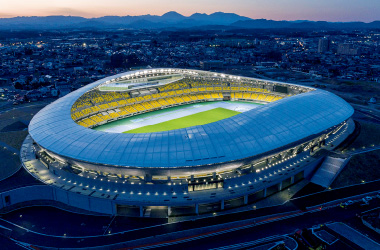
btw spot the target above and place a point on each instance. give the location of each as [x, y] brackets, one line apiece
[250, 133]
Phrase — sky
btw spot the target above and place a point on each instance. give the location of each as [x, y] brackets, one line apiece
[316, 10]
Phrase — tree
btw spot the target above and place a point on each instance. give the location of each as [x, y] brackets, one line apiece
[18, 85]
[132, 61]
[28, 51]
[117, 60]
[274, 55]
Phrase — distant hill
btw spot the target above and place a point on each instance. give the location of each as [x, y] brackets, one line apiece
[270, 24]
[171, 19]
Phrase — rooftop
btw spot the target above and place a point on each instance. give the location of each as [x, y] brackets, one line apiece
[254, 132]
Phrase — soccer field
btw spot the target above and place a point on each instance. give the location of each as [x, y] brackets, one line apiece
[173, 113]
[200, 118]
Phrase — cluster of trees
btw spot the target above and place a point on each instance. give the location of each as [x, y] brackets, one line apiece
[121, 60]
[30, 84]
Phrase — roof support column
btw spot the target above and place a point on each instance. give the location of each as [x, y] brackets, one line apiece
[141, 211]
[148, 177]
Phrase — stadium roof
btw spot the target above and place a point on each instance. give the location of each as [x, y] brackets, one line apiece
[254, 132]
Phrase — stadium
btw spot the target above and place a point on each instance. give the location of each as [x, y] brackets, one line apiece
[172, 142]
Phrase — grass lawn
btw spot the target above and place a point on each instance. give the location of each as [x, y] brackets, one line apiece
[13, 138]
[361, 167]
[369, 135]
[9, 163]
[142, 116]
[200, 118]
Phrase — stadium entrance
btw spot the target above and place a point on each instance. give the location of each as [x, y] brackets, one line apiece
[143, 211]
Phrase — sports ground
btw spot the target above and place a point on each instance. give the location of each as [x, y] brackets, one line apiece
[200, 118]
[177, 117]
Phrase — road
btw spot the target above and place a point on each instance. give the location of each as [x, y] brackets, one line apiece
[7, 244]
[13, 107]
[296, 207]
[369, 114]
[279, 227]
[362, 151]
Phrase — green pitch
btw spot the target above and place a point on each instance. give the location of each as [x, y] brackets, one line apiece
[200, 118]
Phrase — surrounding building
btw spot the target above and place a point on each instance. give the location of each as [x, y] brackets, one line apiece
[207, 65]
[323, 45]
[347, 49]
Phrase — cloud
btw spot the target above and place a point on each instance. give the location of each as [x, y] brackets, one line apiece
[67, 12]
[6, 15]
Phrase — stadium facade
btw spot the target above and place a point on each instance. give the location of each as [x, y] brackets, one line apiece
[199, 169]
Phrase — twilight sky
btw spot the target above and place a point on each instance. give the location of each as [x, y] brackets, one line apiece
[326, 10]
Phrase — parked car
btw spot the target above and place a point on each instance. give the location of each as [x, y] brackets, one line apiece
[349, 202]
[367, 198]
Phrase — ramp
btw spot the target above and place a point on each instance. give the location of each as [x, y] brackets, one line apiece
[328, 171]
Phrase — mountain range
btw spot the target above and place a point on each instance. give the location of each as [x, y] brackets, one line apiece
[171, 20]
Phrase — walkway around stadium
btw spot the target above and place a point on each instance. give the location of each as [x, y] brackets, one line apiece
[301, 206]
